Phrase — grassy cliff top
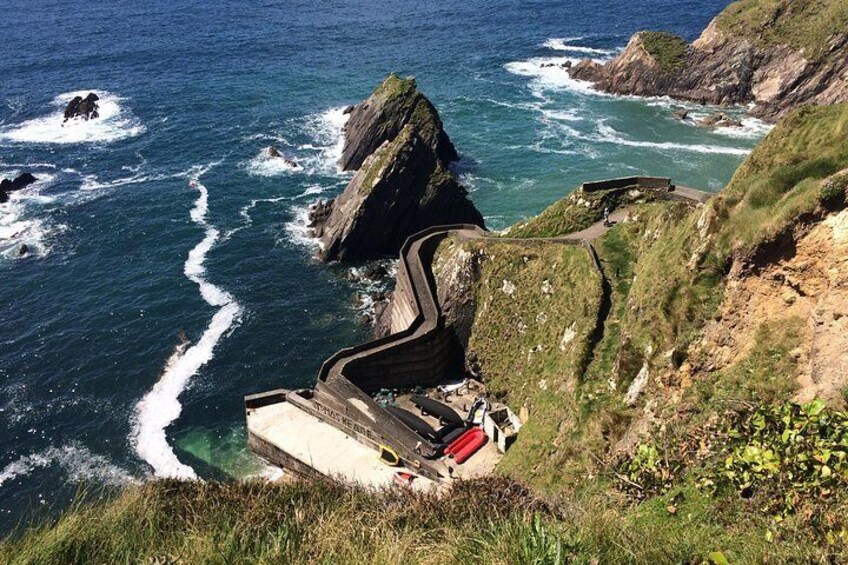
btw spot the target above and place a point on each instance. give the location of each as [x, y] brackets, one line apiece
[807, 26]
[667, 49]
[781, 179]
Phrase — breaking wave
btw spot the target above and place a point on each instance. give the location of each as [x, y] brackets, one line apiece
[115, 123]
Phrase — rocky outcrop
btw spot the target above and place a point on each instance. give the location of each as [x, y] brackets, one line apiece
[9, 185]
[396, 141]
[394, 104]
[733, 63]
[85, 108]
[401, 189]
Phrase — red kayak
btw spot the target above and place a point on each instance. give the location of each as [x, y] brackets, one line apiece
[463, 440]
[470, 448]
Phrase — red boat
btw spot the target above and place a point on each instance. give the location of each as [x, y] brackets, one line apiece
[470, 448]
[463, 440]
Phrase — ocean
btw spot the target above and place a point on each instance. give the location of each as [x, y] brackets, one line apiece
[161, 221]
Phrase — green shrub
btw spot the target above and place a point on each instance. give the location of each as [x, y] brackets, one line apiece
[667, 49]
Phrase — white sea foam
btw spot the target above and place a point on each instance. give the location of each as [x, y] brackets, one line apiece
[609, 135]
[565, 44]
[298, 229]
[327, 132]
[244, 212]
[161, 406]
[19, 226]
[751, 128]
[264, 165]
[78, 462]
[548, 73]
[115, 123]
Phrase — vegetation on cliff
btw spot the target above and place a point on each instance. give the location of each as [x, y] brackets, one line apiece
[667, 49]
[807, 27]
[484, 521]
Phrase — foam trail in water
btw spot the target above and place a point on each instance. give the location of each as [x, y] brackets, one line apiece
[609, 135]
[79, 464]
[245, 213]
[113, 124]
[161, 406]
[564, 44]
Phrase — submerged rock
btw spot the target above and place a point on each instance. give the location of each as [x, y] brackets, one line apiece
[394, 104]
[23, 251]
[720, 119]
[85, 108]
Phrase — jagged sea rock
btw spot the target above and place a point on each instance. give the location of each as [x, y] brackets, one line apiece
[400, 189]
[23, 180]
[85, 108]
[394, 104]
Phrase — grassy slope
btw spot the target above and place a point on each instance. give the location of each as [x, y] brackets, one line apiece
[781, 178]
[807, 26]
[487, 521]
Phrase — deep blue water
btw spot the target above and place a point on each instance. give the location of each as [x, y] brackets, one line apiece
[192, 91]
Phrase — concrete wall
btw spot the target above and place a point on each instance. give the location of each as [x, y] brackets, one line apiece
[656, 183]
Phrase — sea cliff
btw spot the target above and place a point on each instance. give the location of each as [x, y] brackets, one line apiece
[774, 55]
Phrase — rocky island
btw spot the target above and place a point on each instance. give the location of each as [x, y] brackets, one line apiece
[396, 143]
[774, 55]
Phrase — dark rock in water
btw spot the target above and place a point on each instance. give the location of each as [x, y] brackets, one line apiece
[394, 104]
[23, 251]
[86, 108]
[273, 152]
[681, 114]
[566, 65]
[348, 110]
[375, 272]
[401, 189]
[720, 119]
[9, 185]
[21, 181]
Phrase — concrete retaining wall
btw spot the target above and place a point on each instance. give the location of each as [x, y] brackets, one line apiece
[655, 183]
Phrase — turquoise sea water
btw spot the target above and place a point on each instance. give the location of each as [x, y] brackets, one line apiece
[161, 217]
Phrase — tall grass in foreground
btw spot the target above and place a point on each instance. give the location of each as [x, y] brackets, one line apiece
[485, 521]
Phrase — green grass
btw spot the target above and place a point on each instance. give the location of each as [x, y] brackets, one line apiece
[485, 521]
[807, 26]
[575, 212]
[781, 179]
[401, 98]
[667, 49]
